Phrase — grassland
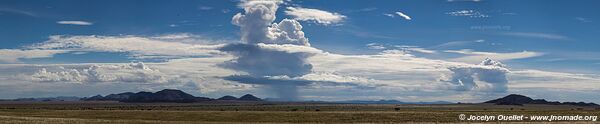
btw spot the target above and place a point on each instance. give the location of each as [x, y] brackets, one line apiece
[254, 112]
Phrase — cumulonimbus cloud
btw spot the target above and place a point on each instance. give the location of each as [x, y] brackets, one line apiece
[492, 75]
[257, 30]
[261, 63]
[264, 62]
[256, 25]
[275, 55]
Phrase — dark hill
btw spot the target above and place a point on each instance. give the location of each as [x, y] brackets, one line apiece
[94, 98]
[515, 99]
[249, 97]
[228, 98]
[118, 97]
[111, 97]
[512, 99]
[166, 95]
[173, 95]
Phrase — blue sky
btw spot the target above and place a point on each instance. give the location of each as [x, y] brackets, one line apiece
[536, 38]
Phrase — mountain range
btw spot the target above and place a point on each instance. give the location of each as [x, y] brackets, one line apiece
[390, 102]
[45, 99]
[516, 99]
[166, 95]
[178, 96]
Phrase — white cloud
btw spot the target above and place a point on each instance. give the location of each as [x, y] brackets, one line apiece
[389, 72]
[415, 49]
[403, 15]
[270, 4]
[16, 11]
[407, 74]
[13, 55]
[289, 48]
[364, 76]
[474, 56]
[368, 9]
[190, 74]
[142, 47]
[63, 75]
[399, 48]
[581, 19]
[398, 13]
[530, 78]
[133, 72]
[287, 32]
[333, 77]
[457, 44]
[257, 27]
[205, 8]
[318, 16]
[389, 15]
[537, 35]
[74, 23]
[421, 50]
[489, 75]
[468, 13]
[375, 46]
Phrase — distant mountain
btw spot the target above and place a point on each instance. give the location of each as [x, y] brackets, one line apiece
[512, 99]
[434, 102]
[249, 97]
[166, 95]
[60, 98]
[110, 97]
[93, 98]
[372, 102]
[119, 97]
[228, 98]
[515, 99]
[389, 102]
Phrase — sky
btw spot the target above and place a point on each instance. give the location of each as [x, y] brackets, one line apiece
[331, 50]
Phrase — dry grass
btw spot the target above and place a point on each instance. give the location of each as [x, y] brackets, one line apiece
[263, 113]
